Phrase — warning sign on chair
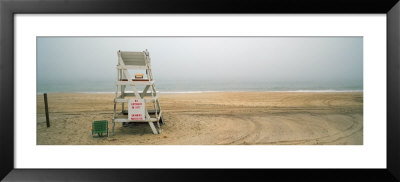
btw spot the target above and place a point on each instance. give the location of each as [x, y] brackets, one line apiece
[136, 109]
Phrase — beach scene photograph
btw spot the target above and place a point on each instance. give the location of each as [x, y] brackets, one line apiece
[199, 90]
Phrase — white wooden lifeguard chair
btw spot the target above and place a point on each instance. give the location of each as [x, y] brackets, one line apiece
[142, 106]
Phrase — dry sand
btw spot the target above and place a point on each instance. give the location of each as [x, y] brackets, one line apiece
[261, 118]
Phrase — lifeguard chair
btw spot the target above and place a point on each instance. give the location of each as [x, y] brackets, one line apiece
[142, 106]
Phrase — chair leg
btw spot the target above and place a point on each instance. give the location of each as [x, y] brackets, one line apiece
[113, 125]
[153, 128]
[159, 127]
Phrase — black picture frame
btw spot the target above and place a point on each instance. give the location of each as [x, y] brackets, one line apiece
[9, 8]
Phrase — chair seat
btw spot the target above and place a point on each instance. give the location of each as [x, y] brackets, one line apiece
[135, 80]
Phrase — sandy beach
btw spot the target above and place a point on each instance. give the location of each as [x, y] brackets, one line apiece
[226, 118]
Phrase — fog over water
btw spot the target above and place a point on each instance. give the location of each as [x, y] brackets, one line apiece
[87, 64]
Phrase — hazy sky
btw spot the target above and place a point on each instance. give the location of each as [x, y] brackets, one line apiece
[203, 58]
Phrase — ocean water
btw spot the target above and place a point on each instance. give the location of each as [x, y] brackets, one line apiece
[186, 86]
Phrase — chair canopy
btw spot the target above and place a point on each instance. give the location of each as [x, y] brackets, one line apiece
[133, 58]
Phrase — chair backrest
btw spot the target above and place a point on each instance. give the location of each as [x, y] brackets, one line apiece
[100, 126]
[133, 58]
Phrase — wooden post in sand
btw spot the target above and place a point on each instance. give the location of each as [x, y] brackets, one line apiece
[46, 107]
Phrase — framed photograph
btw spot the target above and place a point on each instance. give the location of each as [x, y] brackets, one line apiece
[141, 90]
